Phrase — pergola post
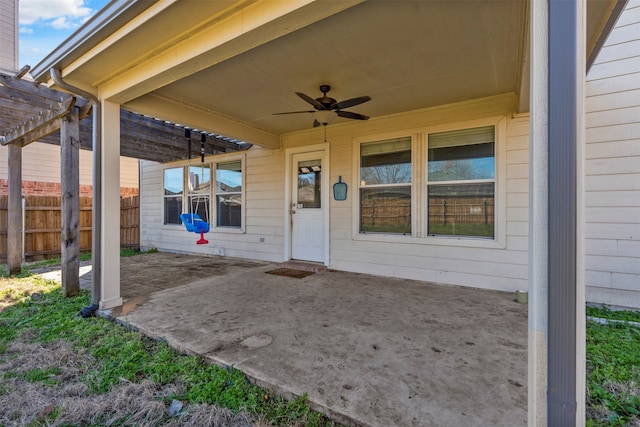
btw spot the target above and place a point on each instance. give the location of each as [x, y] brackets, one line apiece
[70, 189]
[14, 221]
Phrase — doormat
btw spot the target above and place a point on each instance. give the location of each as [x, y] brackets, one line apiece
[290, 272]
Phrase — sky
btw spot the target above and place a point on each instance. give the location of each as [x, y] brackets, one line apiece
[44, 24]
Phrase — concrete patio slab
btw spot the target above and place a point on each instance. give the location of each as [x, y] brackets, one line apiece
[367, 350]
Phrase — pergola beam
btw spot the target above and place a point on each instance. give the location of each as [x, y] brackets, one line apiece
[30, 112]
[40, 125]
[32, 88]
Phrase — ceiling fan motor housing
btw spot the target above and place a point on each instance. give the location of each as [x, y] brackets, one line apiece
[326, 101]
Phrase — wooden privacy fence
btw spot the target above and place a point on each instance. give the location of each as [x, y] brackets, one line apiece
[394, 214]
[467, 210]
[42, 226]
[385, 214]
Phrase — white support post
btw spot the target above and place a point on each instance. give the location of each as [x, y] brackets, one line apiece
[110, 214]
[538, 214]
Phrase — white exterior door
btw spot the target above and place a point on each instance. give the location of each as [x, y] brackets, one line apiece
[307, 210]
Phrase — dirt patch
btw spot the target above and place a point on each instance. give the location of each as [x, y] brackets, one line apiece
[43, 384]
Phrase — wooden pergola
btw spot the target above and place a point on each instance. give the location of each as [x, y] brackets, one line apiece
[31, 112]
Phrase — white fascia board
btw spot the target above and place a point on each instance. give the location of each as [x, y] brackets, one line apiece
[247, 28]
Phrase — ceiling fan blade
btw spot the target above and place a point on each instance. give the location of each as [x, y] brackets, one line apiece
[352, 102]
[316, 123]
[310, 100]
[294, 112]
[350, 115]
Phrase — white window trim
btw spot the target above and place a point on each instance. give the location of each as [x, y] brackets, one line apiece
[419, 186]
[356, 197]
[212, 162]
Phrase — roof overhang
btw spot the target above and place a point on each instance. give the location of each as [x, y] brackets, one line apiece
[227, 66]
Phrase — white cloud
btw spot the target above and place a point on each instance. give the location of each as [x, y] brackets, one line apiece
[25, 30]
[58, 13]
[62, 23]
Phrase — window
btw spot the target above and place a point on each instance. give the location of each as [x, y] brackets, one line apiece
[199, 182]
[229, 194]
[461, 183]
[385, 186]
[173, 189]
[309, 179]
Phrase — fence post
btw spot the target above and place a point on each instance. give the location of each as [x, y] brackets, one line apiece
[486, 216]
[373, 213]
[444, 212]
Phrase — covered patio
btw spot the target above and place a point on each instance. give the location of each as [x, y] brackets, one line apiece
[228, 67]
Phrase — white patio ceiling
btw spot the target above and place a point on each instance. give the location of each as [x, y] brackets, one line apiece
[406, 55]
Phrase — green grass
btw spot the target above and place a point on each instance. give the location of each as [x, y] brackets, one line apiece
[124, 355]
[85, 256]
[606, 313]
[613, 359]
[479, 230]
[392, 229]
[613, 370]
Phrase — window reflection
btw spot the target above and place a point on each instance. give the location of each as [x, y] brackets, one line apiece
[309, 184]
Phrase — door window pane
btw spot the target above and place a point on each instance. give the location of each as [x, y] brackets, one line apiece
[309, 184]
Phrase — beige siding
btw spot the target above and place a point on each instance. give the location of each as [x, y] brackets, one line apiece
[8, 35]
[491, 265]
[41, 162]
[612, 167]
[264, 210]
[466, 263]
